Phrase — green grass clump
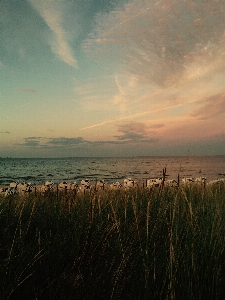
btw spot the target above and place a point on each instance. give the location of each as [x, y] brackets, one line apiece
[137, 244]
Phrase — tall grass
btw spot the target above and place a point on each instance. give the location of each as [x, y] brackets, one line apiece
[137, 244]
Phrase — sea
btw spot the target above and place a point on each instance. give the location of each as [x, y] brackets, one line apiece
[109, 169]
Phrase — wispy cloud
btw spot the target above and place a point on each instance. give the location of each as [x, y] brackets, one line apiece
[31, 142]
[129, 91]
[164, 43]
[136, 132]
[94, 94]
[52, 13]
[58, 142]
[63, 141]
[212, 107]
[129, 133]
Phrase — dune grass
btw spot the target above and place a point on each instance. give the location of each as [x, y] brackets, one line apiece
[137, 244]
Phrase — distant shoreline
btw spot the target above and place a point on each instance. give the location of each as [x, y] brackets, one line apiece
[116, 157]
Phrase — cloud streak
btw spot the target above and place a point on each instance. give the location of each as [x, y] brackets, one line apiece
[213, 107]
[52, 13]
[139, 114]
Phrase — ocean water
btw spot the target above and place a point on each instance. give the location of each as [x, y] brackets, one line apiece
[110, 169]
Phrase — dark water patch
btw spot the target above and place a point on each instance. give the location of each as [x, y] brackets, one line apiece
[28, 177]
[145, 172]
[96, 177]
[4, 182]
[10, 177]
[136, 172]
[117, 177]
[129, 172]
[108, 175]
[60, 174]
[92, 175]
[75, 177]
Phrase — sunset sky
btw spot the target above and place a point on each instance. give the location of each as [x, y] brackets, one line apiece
[112, 78]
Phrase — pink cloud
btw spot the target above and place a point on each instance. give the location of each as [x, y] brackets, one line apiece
[212, 108]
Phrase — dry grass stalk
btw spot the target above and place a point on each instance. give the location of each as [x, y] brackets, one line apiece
[136, 222]
[147, 225]
[14, 237]
[117, 227]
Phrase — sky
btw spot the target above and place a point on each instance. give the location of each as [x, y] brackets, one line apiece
[112, 78]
